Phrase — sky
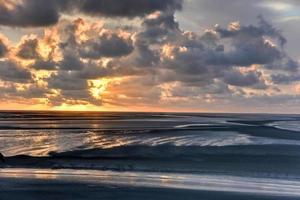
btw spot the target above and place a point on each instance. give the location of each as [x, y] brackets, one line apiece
[150, 55]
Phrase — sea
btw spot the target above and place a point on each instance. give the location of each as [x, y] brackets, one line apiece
[129, 155]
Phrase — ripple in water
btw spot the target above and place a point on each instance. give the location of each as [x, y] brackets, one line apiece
[40, 143]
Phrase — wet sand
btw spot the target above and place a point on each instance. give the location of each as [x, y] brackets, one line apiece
[31, 184]
[141, 156]
[32, 189]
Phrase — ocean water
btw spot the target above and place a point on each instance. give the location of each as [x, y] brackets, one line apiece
[239, 153]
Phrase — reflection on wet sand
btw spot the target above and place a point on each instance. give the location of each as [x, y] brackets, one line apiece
[274, 187]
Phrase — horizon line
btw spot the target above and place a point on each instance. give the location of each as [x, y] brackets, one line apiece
[132, 111]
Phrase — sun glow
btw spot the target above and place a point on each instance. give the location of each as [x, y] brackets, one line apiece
[98, 87]
[69, 107]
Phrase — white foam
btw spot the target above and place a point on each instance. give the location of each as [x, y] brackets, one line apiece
[193, 125]
[287, 125]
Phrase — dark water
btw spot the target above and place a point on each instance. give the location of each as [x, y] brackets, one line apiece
[238, 153]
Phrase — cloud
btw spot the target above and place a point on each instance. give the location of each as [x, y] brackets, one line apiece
[40, 64]
[28, 13]
[34, 13]
[159, 28]
[28, 49]
[10, 71]
[10, 91]
[125, 8]
[3, 49]
[285, 79]
[155, 62]
[213, 62]
[66, 81]
[251, 44]
[71, 62]
[197, 15]
[221, 52]
[72, 89]
[249, 79]
[106, 45]
[284, 64]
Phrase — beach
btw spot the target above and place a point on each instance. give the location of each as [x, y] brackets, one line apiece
[149, 156]
[49, 184]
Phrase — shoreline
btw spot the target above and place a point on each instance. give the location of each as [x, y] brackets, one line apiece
[49, 190]
[49, 179]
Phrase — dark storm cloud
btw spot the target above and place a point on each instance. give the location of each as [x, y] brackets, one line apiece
[76, 95]
[71, 62]
[3, 49]
[125, 8]
[285, 79]
[250, 79]
[10, 71]
[44, 12]
[146, 57]
[264, 28]
[160, 29]
[34, 92]
[92, 71]
[285, 64]
[291, 65]
[107, 45]
[217, 87]
[44, 65]
[66, 81]
[27, 93]
[28, 49]
[247, 53]
[250, 45]
[29, 13]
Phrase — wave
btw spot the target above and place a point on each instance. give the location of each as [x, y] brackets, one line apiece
[291, 125]
[273, 161]
[170, 151]
[40, 143]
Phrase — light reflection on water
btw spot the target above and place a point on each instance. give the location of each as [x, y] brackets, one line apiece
[164, 180]
[34, 143]
[41, 143]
